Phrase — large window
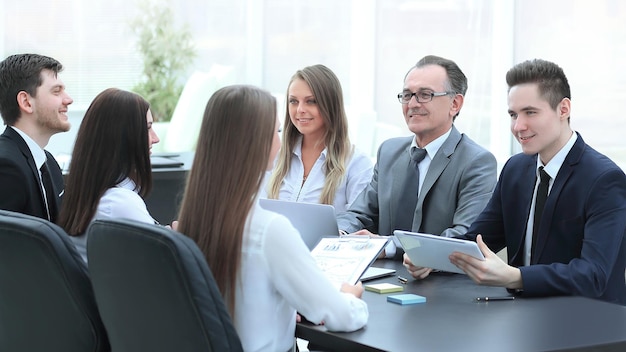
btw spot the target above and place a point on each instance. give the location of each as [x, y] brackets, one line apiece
[586, 38]
[370, 44]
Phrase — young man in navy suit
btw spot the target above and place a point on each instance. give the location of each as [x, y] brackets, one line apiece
[578, 245]
[33, 105]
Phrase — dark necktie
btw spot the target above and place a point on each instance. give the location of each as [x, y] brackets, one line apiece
[408, 199]
[540, 202]
[50, 197]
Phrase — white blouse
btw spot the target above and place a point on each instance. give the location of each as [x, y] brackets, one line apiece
[358, 175]
[278, 277]
[119, 202]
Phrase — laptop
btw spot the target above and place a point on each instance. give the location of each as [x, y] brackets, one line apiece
[432, 251]
[313, 221]
[373, 273]
[164, 161]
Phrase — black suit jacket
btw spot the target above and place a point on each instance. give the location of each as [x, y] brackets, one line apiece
[20, 188]
[581, 247]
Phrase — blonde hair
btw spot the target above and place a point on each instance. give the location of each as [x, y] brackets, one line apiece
[228, 168]
[329, 96]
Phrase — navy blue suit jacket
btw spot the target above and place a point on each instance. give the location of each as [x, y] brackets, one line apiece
[580, 247]
[20, 187]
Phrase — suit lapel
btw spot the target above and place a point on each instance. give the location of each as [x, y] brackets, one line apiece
[526, 183]
[58, 184]
[21, 144]
[564, 174]
[23, 147]
[399, 168]
[436, 168]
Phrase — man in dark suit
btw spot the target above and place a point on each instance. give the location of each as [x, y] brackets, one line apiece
[456, 176]
[574, 244]
[33, 105]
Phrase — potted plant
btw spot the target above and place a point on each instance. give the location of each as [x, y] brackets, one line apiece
[167, 51]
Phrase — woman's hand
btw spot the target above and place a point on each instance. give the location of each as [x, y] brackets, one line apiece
[356, 290]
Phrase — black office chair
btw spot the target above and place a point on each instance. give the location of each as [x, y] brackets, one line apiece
[46, 299]
[155, 290]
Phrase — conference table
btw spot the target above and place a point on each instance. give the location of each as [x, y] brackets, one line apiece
[453, 320]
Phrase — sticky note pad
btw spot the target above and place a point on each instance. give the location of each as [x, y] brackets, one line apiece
[384, 288]
[407, 298]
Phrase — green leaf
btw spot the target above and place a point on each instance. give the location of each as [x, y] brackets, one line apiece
[166, 51]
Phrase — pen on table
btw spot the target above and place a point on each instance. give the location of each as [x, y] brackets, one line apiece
[501, 298]
[403, 279]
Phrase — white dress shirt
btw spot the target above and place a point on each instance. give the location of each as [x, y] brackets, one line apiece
[119, 202]
[431, 149]
[552, 169]
[279, 276]
[358, 174]
[39, 155]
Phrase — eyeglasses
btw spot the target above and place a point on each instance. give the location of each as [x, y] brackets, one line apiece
[421, 97]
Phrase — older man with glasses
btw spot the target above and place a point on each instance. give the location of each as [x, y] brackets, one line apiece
[436, 181]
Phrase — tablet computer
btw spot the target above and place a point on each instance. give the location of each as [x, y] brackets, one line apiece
[432, 251]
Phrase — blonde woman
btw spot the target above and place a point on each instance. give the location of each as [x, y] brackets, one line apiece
[262, 268]
[317, 163]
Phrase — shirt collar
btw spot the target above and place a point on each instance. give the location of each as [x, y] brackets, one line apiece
[127, 183]
[433, 147]
[297, 149]
[554, 165]
[39, 155]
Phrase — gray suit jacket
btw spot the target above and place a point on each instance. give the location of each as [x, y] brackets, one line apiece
[458, 185]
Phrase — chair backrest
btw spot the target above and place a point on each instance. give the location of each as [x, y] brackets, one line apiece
[155, 290]
[182, 133]
[46, 299]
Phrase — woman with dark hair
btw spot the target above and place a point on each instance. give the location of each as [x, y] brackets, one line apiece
[110, 171]
[262, 267]
[318, 163]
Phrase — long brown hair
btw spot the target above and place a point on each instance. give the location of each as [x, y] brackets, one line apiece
[111, 144]
[329, 97]
[231, 157]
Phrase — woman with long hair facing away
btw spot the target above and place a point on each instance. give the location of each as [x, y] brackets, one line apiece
[110, 170]
[262, 268]
[317, 163]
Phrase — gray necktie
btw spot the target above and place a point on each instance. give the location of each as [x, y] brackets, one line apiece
[408, 199]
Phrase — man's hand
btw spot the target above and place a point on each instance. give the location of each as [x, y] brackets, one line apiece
[363, 232]
[370, 235]
[417, 272]
[491, 272]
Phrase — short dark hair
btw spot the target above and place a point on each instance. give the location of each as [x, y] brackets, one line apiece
[21, 72]
[550, 78]
[111, 144]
